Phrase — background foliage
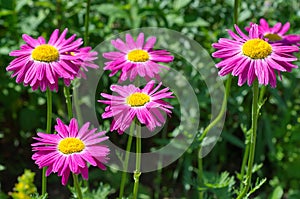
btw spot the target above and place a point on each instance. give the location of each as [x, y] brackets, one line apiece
[22, 111]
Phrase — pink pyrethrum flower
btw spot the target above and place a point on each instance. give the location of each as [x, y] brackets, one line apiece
[70, 150]
[277, 33]
[134, 58]
[85, 59]
[147, 105]
[40, 64]
[251, 57]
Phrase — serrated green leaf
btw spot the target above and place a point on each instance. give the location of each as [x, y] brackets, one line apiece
[258, 184]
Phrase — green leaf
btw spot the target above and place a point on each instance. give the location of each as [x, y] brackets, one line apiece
[277, 193]
[224, 180]
[258, 184]
[199, 22]
[4, 12]
[233, 139]
[178, 4]
[2, 167]
[112, 10]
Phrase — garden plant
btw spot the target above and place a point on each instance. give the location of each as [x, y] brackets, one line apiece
[149, 99]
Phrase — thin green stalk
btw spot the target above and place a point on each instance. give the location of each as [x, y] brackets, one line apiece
[76, 83]
[159, 166]
[49, 111]
[252, 140]
[77, 187]
[246, 153]
[262, 95]
[222, 111]
[137, 171]
[70, 116]
[68, 101]
[58, 13]
[86, 22]
[207, 129]
[125, 166]
[200, 175]
[48, 131]
[245, 159]
[236, 11]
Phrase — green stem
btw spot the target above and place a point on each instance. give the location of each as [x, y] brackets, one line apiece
[207, 129]
[252, 140]
[262, 94]
[75, 88]
[58, 13]
[245, 158]
[49, 111]
[222, 111]
[76, 83]
[86, 22]
[236, 11]
[48, 131]
[70, 116]
[76, 185]
[137, 171]
[159, 166]
[68, 101]
[200, 175]
[246, 153]
[126, 161]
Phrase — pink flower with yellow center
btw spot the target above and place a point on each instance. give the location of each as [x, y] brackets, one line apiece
[251, 57]
[70, 150]
[134, 58]
[40, 64]
[147, 105]
[277, 33]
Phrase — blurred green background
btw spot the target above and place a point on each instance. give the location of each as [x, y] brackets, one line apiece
[22, 111]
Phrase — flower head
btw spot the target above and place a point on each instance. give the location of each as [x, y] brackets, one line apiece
[40, 64]
[134, 58]
[70, 150]
[85, 59]
[145, 104]
[277, 33]
[251, 57]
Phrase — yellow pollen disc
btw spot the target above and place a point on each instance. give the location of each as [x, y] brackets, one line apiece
[70, 145]
[137, 99]
[45, 53]
[257, 49]
[138, 56]
[70, 53]
[273, 37]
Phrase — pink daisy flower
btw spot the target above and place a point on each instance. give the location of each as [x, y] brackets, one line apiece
[277, 33]
[85, 59]
[146, 104]
[40, 64]
[251, 57]
[135, 58]
[70, 150]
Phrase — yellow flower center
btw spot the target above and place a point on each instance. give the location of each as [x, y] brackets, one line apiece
[137, 99]
[70, 53]
[273, 37]
[138, 56]
[70, 145]
[257, 49]
[45, 53]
